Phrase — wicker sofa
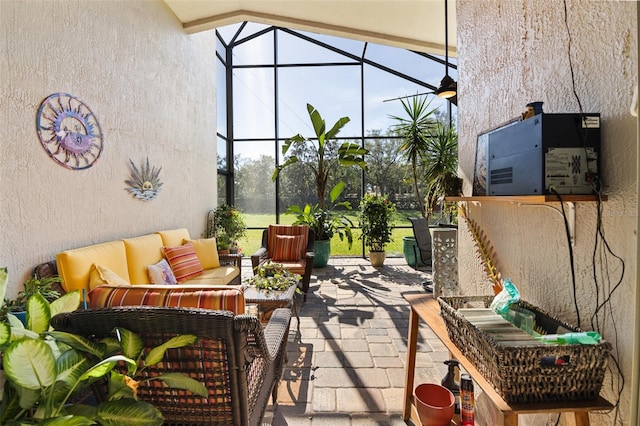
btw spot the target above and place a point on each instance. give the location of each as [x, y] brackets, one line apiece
[127, 261]
[235, 358]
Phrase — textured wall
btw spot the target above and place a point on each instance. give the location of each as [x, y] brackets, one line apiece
[152, 88]
[512, 52]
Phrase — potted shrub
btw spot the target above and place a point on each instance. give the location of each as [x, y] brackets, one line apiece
[325, 223]
[325, 219]
[229, 226]
[43, 286]
[377, 218]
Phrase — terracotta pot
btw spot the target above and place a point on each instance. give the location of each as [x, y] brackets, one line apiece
[377, 258]
[435, 404]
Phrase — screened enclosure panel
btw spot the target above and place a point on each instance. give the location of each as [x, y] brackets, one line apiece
[253, 103]
[221, 152]
[254, 165]
[295, 50]
[221, 98]
[254, 51]
[333, 91]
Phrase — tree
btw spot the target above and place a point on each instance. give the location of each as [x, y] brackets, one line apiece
[384, 167]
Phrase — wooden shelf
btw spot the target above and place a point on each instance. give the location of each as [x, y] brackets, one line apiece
[527, 198]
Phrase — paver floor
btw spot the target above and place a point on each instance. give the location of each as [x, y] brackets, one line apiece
[346, 356]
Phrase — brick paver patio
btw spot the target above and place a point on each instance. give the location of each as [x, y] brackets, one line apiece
[346, 359]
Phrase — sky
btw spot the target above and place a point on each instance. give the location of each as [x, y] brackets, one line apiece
[334, 91]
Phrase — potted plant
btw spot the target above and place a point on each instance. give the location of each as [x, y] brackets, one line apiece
[377, 218]
[223, 243]
[229, 226]
[414, 129]
[45, 368]
[273, 276]
[43, 286]
[325, 223]
[325, 155]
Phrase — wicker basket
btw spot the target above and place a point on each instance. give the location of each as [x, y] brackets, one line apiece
[523, 373]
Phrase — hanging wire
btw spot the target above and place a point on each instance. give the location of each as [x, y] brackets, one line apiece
[601, 246]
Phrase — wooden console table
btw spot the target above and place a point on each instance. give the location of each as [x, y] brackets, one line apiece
[425, 307]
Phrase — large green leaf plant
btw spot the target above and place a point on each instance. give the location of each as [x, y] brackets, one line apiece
[323, 218]
[45, 368]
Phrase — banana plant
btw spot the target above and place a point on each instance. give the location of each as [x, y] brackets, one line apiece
[44, 368]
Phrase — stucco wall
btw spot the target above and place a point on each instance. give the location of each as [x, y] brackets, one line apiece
[512, 52]
[152, 88]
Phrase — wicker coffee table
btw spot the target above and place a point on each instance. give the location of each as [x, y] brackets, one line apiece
[270, 300]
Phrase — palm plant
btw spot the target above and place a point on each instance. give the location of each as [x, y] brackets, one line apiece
[415, 129]
[440, 160]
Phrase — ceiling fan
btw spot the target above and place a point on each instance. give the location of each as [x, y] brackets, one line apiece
[448, 88]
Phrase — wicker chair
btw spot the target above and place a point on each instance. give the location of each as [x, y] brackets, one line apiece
[423, 239]
[302, 264]
[239, 361]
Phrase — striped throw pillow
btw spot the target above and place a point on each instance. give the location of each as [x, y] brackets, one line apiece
[288, 248]
[183, 261]
[295, 230]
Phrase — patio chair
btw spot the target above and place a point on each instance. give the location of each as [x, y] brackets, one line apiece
[235, 358]
[290, 245]
[422, 251]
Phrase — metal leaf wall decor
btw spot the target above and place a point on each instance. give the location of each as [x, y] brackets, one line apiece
[145, 183]
[486, 253]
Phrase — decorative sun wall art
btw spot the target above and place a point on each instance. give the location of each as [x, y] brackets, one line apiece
[69, 131]
[145, 183]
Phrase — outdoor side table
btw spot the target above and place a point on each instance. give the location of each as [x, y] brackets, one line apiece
[270, 300]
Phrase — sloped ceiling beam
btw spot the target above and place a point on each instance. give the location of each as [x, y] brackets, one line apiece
[410, 24]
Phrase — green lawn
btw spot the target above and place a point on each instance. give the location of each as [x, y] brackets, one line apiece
[338, 248]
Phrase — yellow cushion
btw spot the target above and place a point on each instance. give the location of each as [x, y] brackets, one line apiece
[141, 252]
[74, 265]
[174, 237]
[100, 275]
[217, 276]
[207, 252]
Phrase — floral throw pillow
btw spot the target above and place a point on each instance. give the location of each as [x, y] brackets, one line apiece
[161, 273]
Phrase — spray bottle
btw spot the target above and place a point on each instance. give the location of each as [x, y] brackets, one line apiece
[449, 381]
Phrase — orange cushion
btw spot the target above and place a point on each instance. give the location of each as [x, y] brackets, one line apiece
[183, 261]
[228, 299]
[288, 248]
[276, 230]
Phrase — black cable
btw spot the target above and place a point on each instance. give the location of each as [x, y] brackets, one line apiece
[599, 306]
[573, 80]
[571, 262]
